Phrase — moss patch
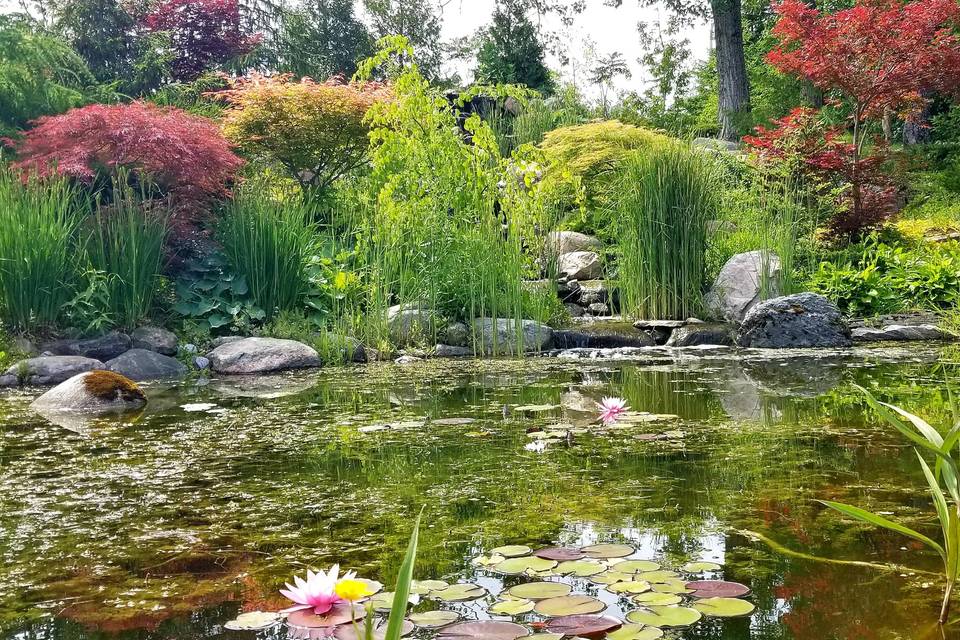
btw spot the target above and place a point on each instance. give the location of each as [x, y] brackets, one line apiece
[107, 386]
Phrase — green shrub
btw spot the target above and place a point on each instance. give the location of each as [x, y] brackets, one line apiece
[268, 238]
[126, 242]
[210, 296]
[38, 262]
[665, 198]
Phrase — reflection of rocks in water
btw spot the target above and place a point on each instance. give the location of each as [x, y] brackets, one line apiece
[86, 423]
[263, 387]
[738, 393]
[797, 378]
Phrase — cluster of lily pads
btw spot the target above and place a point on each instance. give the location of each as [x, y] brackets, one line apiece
[655, 598]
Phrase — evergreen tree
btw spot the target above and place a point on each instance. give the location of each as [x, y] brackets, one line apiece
[511, 51]
[418, 22]
[321, 39]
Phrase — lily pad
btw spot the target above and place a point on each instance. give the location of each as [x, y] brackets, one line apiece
[633, 586]
[673, 586]
[569, 606]
[254, 621]
[656, 616]
[525, 564]
[339, 614]
[583, 626]
[560, 554]
[545, 636]
[536, 408]
[611, 576]
[434, 619]
[608, 551]
[349, 632]
[512, 550]
[483, 630]
[540, 590]
[657, 599]
[636, 566]
[700, 567]
[635, 632]
[658, 576]
[454, 422]
[511, 607]
[724, 607]
[580, 568]
[423, 587]
[718, 589]
[459, 592]
[488, 560]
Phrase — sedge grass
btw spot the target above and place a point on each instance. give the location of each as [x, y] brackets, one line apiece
[38, 266]
[665, 197]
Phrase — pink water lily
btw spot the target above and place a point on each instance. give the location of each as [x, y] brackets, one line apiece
[317, 592]
[611, 409]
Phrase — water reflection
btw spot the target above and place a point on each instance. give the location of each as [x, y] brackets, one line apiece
[168, 525]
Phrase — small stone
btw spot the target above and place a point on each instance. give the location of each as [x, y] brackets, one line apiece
[103, 348]
[902, 333]
[450, 351]
[598, 309]
[580, 265]
[155, 339]
[560, 242]
[407, 360]
[192, 348]
[201, 363]
[575, 310]
[743, 282]
[50, 370]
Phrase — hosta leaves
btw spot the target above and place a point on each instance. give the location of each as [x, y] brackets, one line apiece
[724, 607]
[656, 616]
[635, 632]
[569, 606]
[540, 590]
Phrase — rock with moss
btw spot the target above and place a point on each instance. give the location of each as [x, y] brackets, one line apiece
[92, 392]
[262, 355]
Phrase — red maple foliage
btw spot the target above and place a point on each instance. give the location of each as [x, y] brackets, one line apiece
[183, 155]
[203, 34]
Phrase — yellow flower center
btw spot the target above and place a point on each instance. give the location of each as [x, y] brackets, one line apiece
[353, 590]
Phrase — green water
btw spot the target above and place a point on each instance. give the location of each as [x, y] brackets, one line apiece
[168, 524]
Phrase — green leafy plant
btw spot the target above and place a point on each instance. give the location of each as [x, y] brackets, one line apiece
[857, 291]
[401, 596]
[90, 311]
[209, 292]
[944, 483]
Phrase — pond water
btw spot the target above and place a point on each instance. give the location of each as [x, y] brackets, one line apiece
[169, 524]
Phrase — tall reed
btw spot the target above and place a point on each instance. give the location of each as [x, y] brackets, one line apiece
[268, 237]
[664, 198]
[126, 242]
[38, 265]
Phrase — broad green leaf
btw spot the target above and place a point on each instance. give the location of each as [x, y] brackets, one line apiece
[656, 616]
[879, 521]
[724, 607]
[404, 579]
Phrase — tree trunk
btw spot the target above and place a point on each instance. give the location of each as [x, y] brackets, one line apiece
[731, 67]
[812, 95]
[917, 130]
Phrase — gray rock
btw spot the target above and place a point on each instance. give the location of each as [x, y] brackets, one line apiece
[350, 349]
[141, 364]
[155, 339]
[503, 336]
[560, 242]
[410, 323]
[668, 325]
[580, 265]
[407, 360]
[49, 370]
[798, 321]
[8, 381]
[202, 363]
[745, 279]
[575, 310]
[594, 291]
[457, 334]
[217, 342]
[902, 333]
[262, 355]
[24, 346]
[103, 348]
[92, 392]
[714, 144]
[568, 291]
[192, 348]
[598, 309]
[451, 351]
[694, 335]
[602, 336]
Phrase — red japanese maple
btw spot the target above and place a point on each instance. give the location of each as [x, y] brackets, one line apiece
[203, 33]
[184, 155]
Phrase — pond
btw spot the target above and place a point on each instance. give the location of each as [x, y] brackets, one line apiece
[171, 523]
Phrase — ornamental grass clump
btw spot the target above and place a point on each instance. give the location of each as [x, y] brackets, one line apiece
[665, 197]
[38, 267]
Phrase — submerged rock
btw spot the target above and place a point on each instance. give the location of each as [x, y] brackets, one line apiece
[141, 364]
[262, 355]
[503, 336]
[155, 339]
[740, 285]
[798, 321]
[92, 392]
[103, 348]
[580, 265]
[902, 333]
[47, 370]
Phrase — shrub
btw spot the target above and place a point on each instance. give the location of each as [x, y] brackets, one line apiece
[38, 266]
[665, 196]
[184, 157]
[211, 296]
[315, 131]
[202, 34]
[268, 239]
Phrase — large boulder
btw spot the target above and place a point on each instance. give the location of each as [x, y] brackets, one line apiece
[262, 355]
[47, 370]
[155, 339]
[580, 265]
[503, 336]
[902, 333]
[141, 364]
[742, 282]
[797, 321]
[92, 392]
[411, 323]
[560, 242]
[103, 348]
